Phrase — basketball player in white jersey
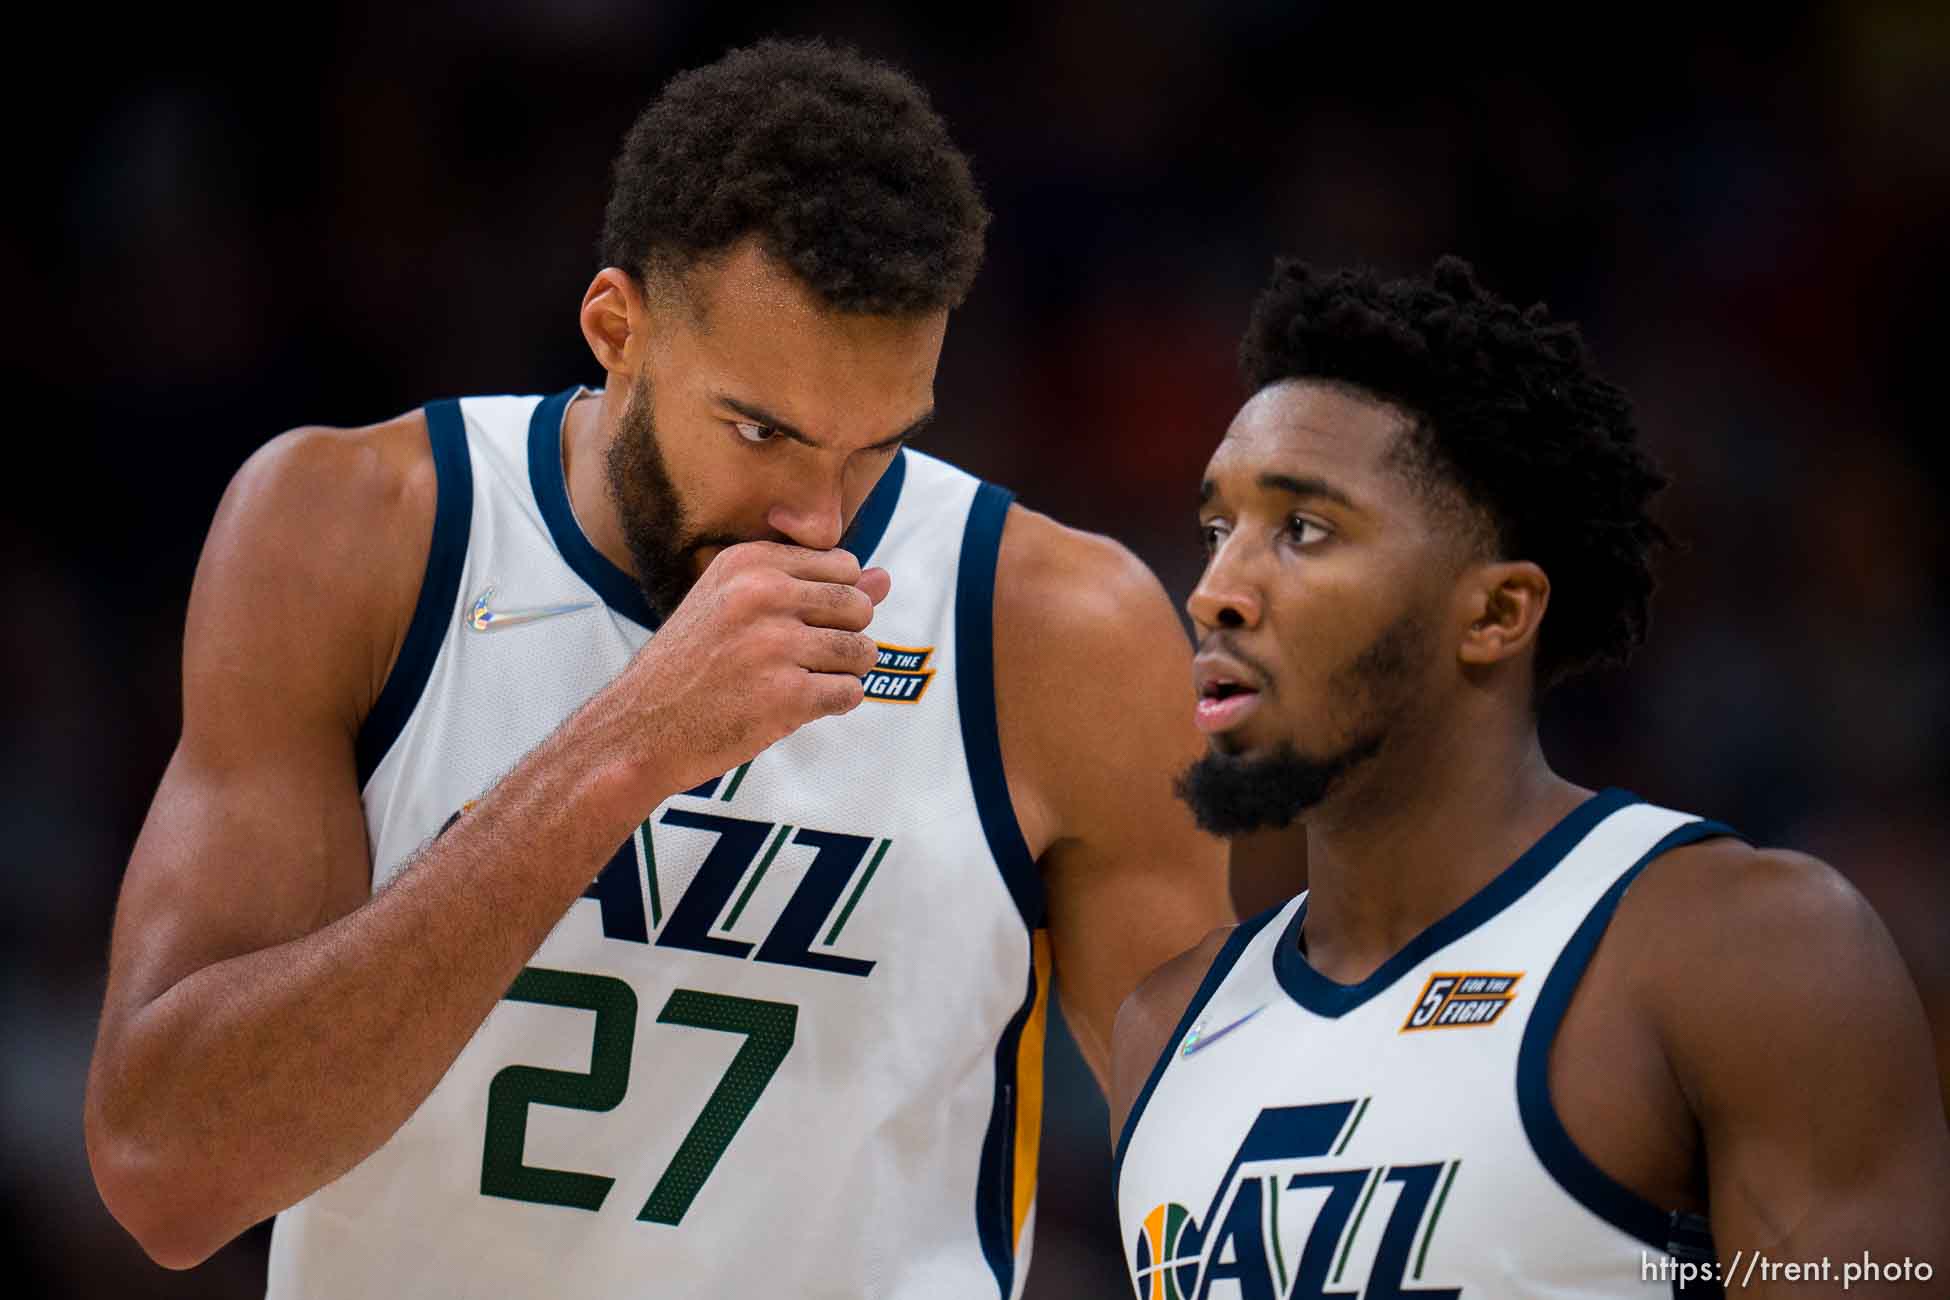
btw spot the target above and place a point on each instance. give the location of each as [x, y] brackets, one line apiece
[621, 842]
[1518, 1039]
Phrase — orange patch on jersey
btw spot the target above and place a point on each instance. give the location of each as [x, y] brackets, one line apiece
[1461, 999]
[900, 674]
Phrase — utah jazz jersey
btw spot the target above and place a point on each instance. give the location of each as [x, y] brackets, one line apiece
[1396, 1138]
[789, 1041]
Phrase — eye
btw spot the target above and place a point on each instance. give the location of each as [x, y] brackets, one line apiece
[755, 432]
[1302, 531]
[1211, 532]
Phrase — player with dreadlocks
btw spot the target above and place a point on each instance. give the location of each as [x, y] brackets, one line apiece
[1519, 1038]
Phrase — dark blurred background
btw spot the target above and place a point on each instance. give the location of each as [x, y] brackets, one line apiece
[229, 224]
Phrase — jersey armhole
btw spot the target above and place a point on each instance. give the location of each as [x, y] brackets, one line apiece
[453, 516]
[981, 739]
[1568, 1166]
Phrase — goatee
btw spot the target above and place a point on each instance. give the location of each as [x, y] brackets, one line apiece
[1232, 794]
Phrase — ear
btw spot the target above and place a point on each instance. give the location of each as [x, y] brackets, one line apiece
[615, 323]
[1505, 607]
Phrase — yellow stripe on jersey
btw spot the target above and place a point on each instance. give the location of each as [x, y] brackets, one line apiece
[1154, 1232]
[1029, 1088]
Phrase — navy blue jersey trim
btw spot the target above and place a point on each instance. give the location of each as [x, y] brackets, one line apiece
[981, 741]
[1324, 997]
[995, 1184]
[617, 589]
[1215, 975]
[453, 519]
[1587, 1184]
[877, 511]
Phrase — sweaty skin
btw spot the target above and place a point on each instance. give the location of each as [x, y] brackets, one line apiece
[1745, 1042]
[269, 1022]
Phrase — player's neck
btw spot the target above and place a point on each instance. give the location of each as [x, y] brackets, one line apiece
[587, 425]
[1399, 849]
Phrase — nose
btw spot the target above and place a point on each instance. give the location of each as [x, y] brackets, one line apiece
[813, 515]
[1226, 596]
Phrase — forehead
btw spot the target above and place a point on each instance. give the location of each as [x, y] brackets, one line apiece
[759, 329]
[1307, 430]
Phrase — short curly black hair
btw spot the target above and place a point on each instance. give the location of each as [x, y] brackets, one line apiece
[837, 163]
[1506, 407]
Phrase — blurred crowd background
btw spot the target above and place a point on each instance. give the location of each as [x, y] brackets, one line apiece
[232, 224]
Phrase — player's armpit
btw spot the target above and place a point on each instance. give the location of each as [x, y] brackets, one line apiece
[1094, 704]
[1800, 1042]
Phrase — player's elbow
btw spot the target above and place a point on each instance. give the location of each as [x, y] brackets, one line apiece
[149, 1197]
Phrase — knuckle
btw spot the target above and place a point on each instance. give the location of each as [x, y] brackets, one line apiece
[756, 587]
[850, 606]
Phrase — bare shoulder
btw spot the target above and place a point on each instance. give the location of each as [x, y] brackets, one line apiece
[1742, 955]
[1149, 1015]
[354, 488]
[320, 528]
[1093, 673]
[1056, 582]
[1797, 1039]
[1724, 899]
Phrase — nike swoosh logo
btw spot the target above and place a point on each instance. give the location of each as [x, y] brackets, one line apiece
[484, 618]
[1198, 1040]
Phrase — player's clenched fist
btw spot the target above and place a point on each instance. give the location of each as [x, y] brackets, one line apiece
[770, 637]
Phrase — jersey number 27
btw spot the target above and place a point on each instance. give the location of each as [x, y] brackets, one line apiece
[769, 1029]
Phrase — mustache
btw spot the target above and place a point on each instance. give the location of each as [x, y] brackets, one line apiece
[703, 541]
[1224, 642]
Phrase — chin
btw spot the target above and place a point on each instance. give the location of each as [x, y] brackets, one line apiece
[1245, 742]
[1226, 745]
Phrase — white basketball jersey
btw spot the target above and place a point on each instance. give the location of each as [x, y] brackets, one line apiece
[1395, 1138]
[790, 1041]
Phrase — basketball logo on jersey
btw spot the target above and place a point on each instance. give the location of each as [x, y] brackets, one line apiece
[1288, 1220]
[900, 673]
[1457, 999]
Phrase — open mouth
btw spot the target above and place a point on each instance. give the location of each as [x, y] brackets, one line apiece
[1223, 703]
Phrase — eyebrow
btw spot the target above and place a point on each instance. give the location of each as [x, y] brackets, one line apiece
[1299, 487]
[759, 415]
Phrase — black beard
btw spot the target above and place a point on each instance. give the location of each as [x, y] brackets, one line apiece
[649, 510]
[1231, 795]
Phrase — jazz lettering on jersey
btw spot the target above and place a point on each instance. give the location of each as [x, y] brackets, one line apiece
[1291, 1218]
[733, 857]
[900, 674]
[1459, 999]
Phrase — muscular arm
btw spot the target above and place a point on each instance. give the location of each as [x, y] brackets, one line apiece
[266, 1025]
[1094, 697]
[1800, 1044]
